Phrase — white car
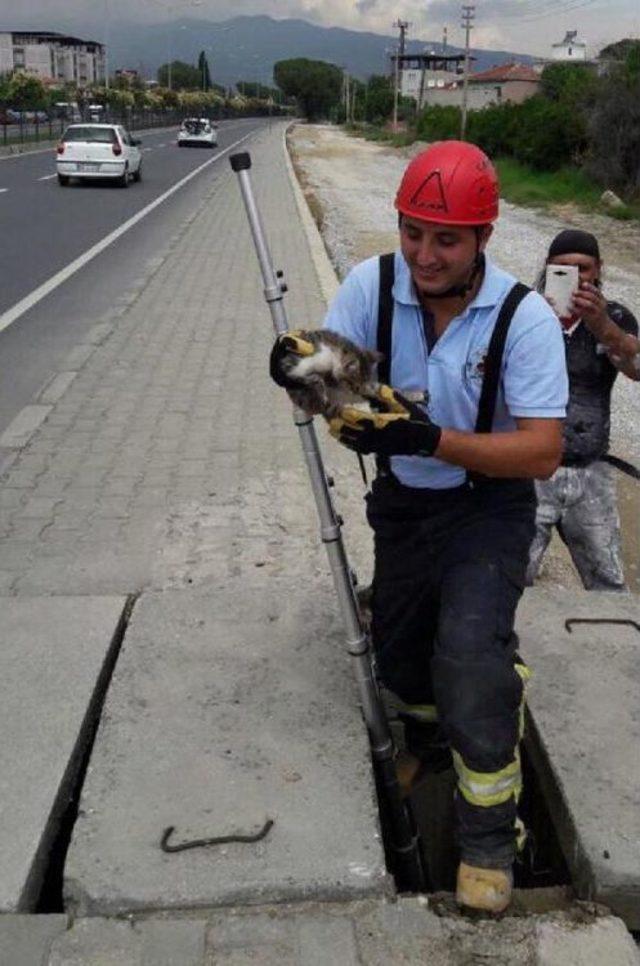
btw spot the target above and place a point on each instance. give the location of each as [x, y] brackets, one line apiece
[198, 131]
[98, 151]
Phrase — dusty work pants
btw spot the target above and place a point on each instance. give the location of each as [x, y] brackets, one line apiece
[449, 571]
[581, 502]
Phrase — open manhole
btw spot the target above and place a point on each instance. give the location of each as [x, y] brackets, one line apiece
[541, 866]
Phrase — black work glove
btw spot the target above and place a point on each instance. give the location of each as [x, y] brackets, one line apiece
[288, 343]
[402, 428]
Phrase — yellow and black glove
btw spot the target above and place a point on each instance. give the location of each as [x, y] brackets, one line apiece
[287, 344]
[401, 428]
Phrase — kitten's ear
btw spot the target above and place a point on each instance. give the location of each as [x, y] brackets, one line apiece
[374, 356]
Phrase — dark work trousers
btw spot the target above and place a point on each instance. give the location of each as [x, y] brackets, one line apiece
[449, 570]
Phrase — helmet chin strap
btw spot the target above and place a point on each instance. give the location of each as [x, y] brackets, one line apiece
[459, 291]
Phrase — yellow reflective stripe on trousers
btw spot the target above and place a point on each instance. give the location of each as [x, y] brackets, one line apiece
[488, 788]
[421, 712]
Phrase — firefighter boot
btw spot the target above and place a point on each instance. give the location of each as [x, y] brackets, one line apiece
[486, 889]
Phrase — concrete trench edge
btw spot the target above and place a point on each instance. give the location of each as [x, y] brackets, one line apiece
[71, 784]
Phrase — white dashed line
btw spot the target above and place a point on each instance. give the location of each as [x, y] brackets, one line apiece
[47, 177]
[3, 189]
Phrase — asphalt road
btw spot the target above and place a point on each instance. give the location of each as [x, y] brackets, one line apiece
[46, 227]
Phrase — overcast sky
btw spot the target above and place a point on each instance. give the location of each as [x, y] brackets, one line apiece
[529, 26]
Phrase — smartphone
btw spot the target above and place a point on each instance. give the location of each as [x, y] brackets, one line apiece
[560, 282]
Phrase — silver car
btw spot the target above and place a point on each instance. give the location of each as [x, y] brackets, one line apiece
[198, 131]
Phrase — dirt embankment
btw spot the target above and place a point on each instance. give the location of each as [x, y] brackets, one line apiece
[349, 184]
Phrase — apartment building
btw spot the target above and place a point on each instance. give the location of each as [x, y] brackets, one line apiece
[52, 57]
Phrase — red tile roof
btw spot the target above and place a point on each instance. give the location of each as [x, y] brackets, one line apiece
[505, 72]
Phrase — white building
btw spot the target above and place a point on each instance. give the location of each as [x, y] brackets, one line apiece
[53, 57]
[570, 49]
[421, 73]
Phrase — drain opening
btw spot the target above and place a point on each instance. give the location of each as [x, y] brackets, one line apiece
[44, 892]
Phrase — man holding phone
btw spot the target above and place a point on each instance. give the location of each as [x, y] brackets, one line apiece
[600, 341]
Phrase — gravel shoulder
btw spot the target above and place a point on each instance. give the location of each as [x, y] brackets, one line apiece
[349, 183]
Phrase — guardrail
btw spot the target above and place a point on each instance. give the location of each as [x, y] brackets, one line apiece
[23, 131]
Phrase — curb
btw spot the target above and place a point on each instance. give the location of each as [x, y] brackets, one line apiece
[327, 278]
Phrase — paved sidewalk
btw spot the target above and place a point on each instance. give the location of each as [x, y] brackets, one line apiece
[170, 459]
[366, 933]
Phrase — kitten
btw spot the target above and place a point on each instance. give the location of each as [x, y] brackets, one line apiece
[338, 374]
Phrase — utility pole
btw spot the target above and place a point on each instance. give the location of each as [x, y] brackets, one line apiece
[346, 98]
[402, 26]
[444, 40]
[468, 13]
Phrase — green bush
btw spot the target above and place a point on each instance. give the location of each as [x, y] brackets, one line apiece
[545, 134]
[438, 123]
[548, 134]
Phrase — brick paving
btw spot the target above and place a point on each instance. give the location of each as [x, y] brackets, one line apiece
[170, 442]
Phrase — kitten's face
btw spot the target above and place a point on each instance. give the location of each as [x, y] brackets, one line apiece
[358, 366]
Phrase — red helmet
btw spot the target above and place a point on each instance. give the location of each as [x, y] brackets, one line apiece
[452, 183]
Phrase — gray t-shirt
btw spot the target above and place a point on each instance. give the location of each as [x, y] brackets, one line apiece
[591, 379]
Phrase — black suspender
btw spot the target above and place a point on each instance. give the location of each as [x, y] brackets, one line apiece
[383, 337]
[385, 315]
[492, 363]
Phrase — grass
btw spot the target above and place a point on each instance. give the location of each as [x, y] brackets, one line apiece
[523, 185]
[371, 132]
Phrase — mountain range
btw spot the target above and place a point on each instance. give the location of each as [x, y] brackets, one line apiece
[247, 47]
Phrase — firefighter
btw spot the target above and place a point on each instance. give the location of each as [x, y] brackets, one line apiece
[452, 506]
[579, 500]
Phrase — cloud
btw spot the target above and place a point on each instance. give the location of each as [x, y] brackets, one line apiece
[506, 24]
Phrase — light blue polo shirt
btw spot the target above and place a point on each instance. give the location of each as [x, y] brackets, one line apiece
[533, 381]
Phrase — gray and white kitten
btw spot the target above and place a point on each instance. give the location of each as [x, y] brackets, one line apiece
[338, 374]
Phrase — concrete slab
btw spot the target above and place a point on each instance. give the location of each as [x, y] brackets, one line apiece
[584, 700]
[225, 710]
[47, 643]
[603, 941]
[26, 940]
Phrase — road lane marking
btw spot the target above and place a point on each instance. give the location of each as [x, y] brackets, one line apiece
[28, 302]
[3, 189]
[48, 177]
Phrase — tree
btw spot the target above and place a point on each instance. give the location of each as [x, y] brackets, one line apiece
[614, 127]
[184, 77]
[619, 51]
[378, 99]
[203, 70]
[315, 84]
[571, 84]
[26, 92]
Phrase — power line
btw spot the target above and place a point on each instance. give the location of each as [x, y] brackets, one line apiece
[540, 10]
